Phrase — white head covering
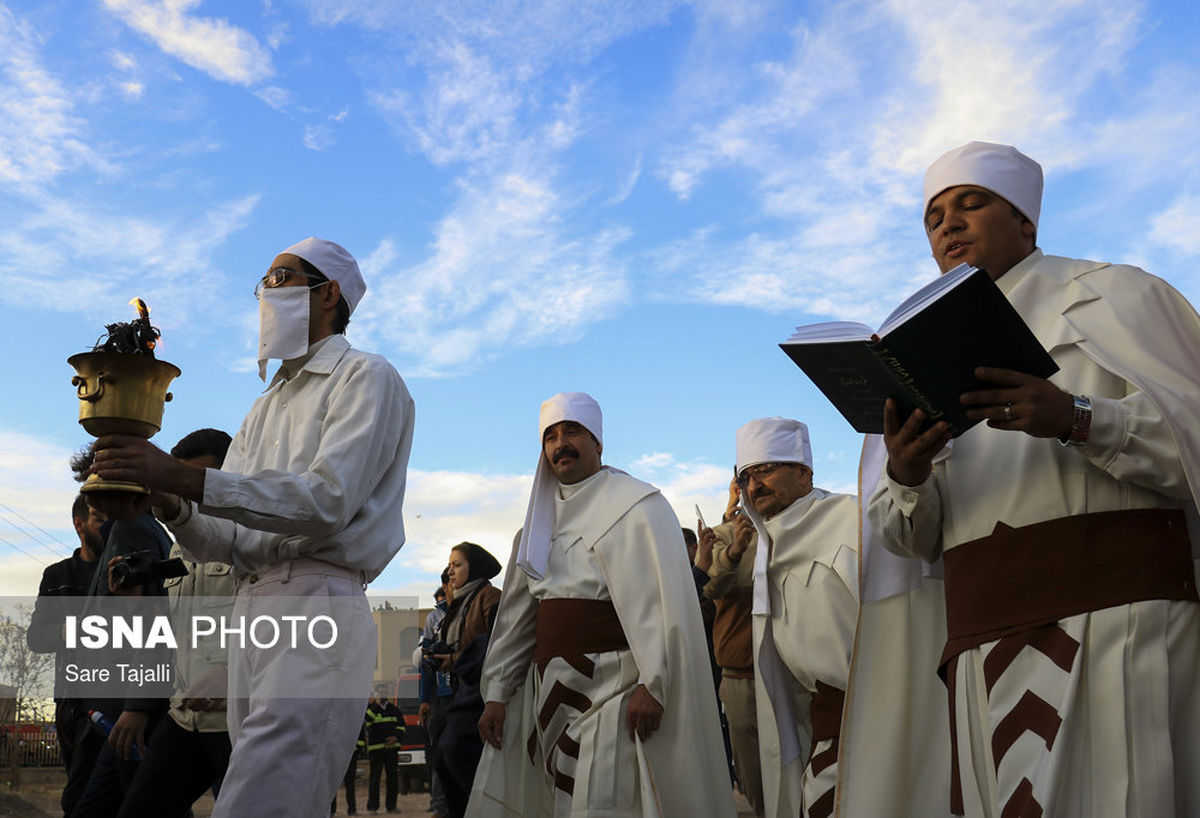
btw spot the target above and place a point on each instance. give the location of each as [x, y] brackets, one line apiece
[533, 553]
[335, 263]
[1002, 169]
[768, 440]
[773, 440]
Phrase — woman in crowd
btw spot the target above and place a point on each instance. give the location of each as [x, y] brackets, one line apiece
[464, 636]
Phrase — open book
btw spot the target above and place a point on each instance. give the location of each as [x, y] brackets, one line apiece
[924, 355]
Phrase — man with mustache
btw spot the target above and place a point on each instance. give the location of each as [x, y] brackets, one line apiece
[1073, 625]
[597, 671]
[804, 606]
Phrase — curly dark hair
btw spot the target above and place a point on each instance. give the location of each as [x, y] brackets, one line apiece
[82, 460]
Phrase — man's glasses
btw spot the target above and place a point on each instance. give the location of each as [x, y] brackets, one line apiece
[757, 472]
[278, 276]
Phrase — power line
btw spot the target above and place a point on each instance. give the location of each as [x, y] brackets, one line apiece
[42, 545]
[23, 551]
[13, 511]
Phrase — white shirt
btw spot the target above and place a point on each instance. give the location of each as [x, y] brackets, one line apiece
[317, 469]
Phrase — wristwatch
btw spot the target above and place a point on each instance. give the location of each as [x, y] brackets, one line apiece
[1081, 422]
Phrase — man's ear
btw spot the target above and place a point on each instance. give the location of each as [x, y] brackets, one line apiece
[79, 524]
[1028, 229]
[333, 292]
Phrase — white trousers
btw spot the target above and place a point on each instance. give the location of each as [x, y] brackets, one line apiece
[290, 752]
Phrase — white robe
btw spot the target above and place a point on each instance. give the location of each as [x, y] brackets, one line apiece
[811, 585]
[1130, 736]
[895, 741]
[615, 538]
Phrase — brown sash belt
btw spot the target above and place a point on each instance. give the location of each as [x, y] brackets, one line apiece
[573, 627]
[1019, 579]
[826, 712]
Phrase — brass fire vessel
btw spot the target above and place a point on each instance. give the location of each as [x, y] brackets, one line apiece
[120, 393]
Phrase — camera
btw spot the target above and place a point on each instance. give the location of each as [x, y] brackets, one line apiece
[428, 651]
[141, 567]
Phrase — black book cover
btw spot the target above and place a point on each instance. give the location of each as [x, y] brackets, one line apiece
[926, 361]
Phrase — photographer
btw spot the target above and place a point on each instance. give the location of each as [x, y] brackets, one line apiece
[134, 716]
[436, 692]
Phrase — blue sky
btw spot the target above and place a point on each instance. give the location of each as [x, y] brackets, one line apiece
[638, 200]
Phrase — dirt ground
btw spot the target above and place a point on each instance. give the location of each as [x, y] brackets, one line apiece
[39, 790]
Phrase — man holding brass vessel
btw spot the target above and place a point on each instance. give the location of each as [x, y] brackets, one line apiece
[307, 504]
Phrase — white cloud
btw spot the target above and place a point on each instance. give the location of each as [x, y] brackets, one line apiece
[629, 183]
[530, 35]
[687, 484]
[1178, 226]
[657, 460]
[277, 35]
[503, 274]
[494, 75]
[40, 135]
[443, 508]
[214, 46]
[20, 575]
[1036, 79]
[829, 140]
[62, 246]
[123, 60]
[467, 113]
[318, 137]
[805, 273]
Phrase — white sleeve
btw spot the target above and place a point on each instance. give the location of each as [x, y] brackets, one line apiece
[907, 520]
[1131, 440]
[363, 424]
[510, 648]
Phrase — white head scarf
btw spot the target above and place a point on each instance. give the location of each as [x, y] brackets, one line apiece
[1002, 169]
[533, 553]
[336, 264]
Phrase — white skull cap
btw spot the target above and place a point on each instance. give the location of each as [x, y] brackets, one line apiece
[577, 406]
[335, 263]
[773, 440]
[1002, 169]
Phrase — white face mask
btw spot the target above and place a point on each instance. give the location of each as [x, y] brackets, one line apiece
[282, 325]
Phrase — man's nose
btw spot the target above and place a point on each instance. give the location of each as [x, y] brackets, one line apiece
[953, 220]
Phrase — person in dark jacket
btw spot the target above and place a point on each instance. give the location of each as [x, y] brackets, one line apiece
[71, 577]
[435, 689]
[465, 632]
[135, 713]
[384, 728]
